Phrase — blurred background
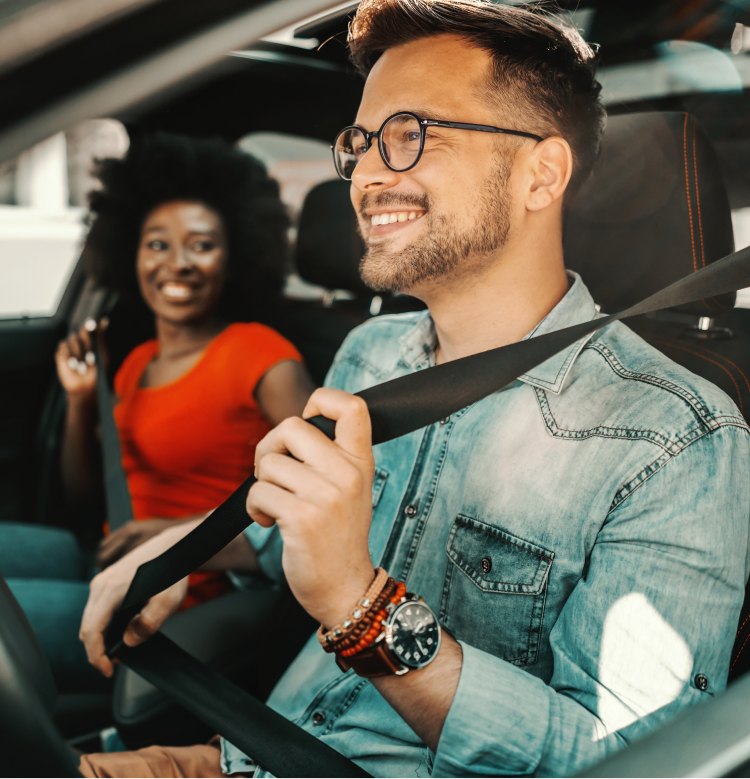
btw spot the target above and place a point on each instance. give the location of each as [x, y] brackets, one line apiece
[282, 98]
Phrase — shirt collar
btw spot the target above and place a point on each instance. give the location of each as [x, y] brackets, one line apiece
[418, 345]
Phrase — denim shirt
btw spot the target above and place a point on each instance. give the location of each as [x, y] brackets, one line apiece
[583, 533]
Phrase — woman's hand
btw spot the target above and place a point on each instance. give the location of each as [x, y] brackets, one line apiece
[129, 536]
[108, 590]
[76, 364]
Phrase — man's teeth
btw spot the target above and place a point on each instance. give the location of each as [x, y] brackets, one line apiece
[396, 216]
[176, 290]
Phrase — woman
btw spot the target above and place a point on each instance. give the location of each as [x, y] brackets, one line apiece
[197, 232]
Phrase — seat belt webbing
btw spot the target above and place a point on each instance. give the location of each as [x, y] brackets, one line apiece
[117, 494]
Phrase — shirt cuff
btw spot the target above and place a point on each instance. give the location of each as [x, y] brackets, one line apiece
[268, 547]
[497, 723]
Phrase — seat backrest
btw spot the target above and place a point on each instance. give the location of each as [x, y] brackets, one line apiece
[655, 209]
[29, 742]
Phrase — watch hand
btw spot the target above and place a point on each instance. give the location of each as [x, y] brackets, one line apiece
[421, 648]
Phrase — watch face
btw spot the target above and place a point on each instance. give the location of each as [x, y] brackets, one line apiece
[416, 634]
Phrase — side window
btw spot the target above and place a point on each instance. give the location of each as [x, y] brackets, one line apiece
[42, 211]
[298, 164]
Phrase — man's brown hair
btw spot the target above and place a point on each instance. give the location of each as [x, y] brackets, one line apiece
[541, 66]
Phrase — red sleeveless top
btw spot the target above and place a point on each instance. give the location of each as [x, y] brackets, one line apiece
[187, 445]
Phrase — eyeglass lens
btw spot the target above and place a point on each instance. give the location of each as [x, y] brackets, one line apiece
[400, 142]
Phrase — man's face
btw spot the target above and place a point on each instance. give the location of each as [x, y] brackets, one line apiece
[454, 207]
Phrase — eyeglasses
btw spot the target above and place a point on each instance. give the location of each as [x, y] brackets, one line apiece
[400, 141]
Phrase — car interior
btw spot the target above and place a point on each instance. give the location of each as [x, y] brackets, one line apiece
[666, 199]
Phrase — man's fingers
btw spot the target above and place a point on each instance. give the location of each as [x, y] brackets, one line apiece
[154, 614]
[296, 437]
[353, 426]
[293, 476]
[267, 503]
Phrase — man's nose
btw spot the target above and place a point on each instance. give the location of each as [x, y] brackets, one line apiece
[372, 174]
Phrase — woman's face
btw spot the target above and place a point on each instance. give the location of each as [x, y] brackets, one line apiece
[182, 261]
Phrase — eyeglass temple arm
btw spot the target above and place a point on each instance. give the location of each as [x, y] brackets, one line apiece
[482, 128]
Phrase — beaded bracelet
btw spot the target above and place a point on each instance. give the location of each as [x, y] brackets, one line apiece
[374, 630]
[364, 625]
[327, 637]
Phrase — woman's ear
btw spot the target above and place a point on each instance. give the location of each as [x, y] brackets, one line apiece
[551, 164]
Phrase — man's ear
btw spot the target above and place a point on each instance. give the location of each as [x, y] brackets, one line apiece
[551, 165]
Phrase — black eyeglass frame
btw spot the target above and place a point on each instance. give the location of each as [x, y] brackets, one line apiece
[423, 125]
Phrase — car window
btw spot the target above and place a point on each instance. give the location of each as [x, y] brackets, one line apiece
[42, 214]
[298, 164]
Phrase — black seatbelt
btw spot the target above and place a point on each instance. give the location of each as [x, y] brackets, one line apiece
[116, 492]
[396, 408]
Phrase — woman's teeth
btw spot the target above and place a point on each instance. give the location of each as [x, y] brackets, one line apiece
[172, 290]
[396, 216]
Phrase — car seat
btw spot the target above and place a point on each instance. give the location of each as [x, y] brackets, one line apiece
[327, 254]
[654, 210]
[29, 742]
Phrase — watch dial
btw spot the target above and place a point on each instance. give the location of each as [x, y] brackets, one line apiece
[415, 634]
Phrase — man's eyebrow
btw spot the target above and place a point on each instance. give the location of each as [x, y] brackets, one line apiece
[422, 113]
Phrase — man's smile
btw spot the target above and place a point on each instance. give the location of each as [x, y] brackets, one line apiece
[384, 222]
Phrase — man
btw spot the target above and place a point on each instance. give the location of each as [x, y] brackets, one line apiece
[581, 535]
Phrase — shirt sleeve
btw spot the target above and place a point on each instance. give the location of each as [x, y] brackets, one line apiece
[268, 547]
[646, 632]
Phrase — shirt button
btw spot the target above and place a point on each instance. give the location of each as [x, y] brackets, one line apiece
[486, 565]
[411, 511]
[701, 682]
[318, 718]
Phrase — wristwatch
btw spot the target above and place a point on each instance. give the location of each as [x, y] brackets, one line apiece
[409, 640]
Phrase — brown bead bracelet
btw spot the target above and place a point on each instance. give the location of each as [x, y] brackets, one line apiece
[328, 637]
[365, 624]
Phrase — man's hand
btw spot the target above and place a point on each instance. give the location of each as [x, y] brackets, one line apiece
[321, 499]
[108, 590]
[129, 536]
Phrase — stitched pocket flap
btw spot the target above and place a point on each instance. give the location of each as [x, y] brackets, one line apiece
[495, 560]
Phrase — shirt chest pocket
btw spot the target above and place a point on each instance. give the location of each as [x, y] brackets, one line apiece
[495, 590]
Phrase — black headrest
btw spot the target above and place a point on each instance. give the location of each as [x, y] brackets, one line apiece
[654, 209]
[329, 247]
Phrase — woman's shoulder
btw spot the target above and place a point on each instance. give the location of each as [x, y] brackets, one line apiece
[133, 366]
[258, 339]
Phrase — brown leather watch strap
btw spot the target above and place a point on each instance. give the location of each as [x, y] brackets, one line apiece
[372, 663]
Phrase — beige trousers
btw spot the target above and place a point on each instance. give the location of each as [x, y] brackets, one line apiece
[202, 760]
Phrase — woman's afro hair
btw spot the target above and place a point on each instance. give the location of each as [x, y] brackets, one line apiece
[161, 168]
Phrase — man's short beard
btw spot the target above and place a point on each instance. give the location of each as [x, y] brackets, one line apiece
[442, 252]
